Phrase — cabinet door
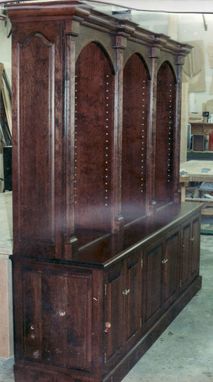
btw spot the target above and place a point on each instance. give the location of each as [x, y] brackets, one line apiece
[122, 307]
[114, 312]
[190, 251]
[56, 306]
[195, 247]
[185, 274]
[152, 284]
[170, 268]
[132, 293]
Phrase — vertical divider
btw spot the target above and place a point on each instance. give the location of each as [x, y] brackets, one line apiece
[176, 192]
[117, 218]
[151, 134]
[70, 241]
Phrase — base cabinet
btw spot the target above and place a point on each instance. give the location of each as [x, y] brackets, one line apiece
[87, 323]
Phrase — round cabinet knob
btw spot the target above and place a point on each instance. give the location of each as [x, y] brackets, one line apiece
[107, 327]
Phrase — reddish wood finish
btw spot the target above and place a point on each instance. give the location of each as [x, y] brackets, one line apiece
[93, 140]
[98, 271]
[135, 125]
[37, 139]
[165, 125]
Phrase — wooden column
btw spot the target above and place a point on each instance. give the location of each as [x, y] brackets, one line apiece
[176, 147]
[151, 136]
[117, 218]
[70, 240]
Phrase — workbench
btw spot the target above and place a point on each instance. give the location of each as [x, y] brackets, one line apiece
[196, 171]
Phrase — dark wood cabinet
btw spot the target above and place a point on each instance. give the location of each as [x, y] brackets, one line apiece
[105, 255]
[152, 285]
[171, 267]
[190, 251]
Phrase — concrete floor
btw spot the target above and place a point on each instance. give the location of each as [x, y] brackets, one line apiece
[184, 353]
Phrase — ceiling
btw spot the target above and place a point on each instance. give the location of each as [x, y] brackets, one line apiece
[173, 6]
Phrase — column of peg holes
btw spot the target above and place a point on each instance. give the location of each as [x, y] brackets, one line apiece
[165, 127]
[76, 141]
[170, 133]
[143, 137]
[107, 145]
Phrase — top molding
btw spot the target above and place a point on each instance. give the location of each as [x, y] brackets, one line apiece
[77, 10]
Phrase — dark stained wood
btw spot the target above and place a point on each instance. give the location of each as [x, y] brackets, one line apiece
[135, 121]
[185, 275]
[152, 276]
[114, 311]
[171, 268]
[93, 140]
[195, 247]
[105, 256]
[165, 126]
[37, 115]
[57, 315]
[133, 307]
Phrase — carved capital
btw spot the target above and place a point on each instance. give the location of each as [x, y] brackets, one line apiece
[73, 28]
[120, 42]
[154, 52]
[180, 60]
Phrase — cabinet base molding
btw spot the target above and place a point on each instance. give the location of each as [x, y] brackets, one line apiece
[30, 372]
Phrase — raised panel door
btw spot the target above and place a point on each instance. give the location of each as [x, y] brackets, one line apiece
[171, 267]
[152, 283]
[195, 247]
[132, 294]
[114, 325]
[185, 272]
[57, 308]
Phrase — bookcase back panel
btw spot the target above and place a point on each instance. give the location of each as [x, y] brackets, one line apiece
[165, 133]
[135, 118]
[93, 139]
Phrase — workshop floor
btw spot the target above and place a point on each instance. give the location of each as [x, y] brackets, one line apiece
[184, 352]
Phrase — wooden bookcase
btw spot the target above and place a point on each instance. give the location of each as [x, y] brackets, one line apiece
[105, 255]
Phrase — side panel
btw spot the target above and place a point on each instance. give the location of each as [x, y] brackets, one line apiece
[37, 138]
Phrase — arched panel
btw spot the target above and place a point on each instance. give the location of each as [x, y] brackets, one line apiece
[36, 140]
[106, 48]
[135, 120]
[93, 142]
[165, 133]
